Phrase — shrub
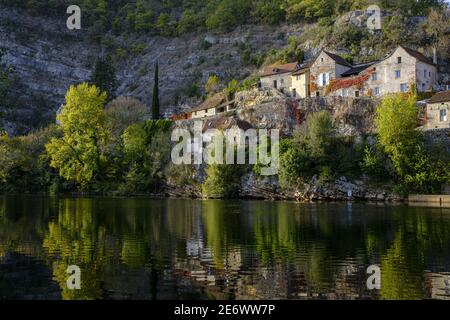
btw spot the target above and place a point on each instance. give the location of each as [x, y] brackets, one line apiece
[222, 181]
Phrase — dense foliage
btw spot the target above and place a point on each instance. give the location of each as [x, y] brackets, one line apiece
[165, 16]
[317, 150]
[92, 148]
[104, 76]
[398, 156]
[114, 149]
[5, 76]
[416, 167]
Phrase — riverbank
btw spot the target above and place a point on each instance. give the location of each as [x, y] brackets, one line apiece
[442, 201]
[432, 201]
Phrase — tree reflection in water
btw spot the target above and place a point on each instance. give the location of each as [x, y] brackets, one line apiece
[166, 249]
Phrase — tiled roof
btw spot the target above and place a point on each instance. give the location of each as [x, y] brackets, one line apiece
[419, 56]
[338, 59]
[279, 69]
[302, 68]
[300, 71]
[439, 97]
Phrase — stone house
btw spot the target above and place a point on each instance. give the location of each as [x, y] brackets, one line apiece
[325, 68]
[300, 83]
[278, 77]
[402, 69]
[212, 106]
[354, 82]
[438, 111]
[396, 73]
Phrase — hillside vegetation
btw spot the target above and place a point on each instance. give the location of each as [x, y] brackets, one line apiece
[175, 17]
[202, 46]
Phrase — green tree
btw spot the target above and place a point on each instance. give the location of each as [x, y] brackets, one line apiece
[212, 85]
[320, 132]
[231, 89]
[417, 167]
[104, 77]
[223, 19]
[155, 98]
[397, 119]
[222, 181]
[78, 155]
[5, 77]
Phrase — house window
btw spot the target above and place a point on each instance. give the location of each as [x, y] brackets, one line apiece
[294, 92]
[282, 81]
[403, 87]
[424, 73]
[356, 93]
[317, 94]
[377, 91]
[374, 77]
[429, 74]
[275, 84]
[399, 60]
[324, 79]
[321, 60]
[344, 92]
[398, 74]
[443, 115]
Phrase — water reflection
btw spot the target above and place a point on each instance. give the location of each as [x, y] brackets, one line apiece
[183, 249]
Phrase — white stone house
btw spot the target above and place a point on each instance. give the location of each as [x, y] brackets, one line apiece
[210, 107]
[401, 69]
[438, 111]
[396, 73]
[278, 77]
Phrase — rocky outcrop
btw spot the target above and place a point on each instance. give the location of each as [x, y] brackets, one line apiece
[352, 116]
[266, 109]
[48, 58]
[341, 189]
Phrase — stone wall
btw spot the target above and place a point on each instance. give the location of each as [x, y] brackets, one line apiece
[438, 136]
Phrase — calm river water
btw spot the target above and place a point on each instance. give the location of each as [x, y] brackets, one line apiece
[186, 249]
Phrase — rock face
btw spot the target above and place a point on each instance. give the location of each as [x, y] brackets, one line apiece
[352, 116]
[48, 58]
[339, 190]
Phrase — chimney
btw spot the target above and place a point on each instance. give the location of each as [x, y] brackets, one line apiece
[435, 61]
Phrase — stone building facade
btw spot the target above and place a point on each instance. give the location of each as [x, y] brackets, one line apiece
[300, 83]
[438, 111]
[326, 68]
[396, 73]
[402, 69]
[278, 77]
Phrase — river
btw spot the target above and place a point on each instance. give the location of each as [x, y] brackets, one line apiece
[137, 248]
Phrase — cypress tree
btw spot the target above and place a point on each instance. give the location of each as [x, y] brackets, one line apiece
[104, 76]
[155, 99]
